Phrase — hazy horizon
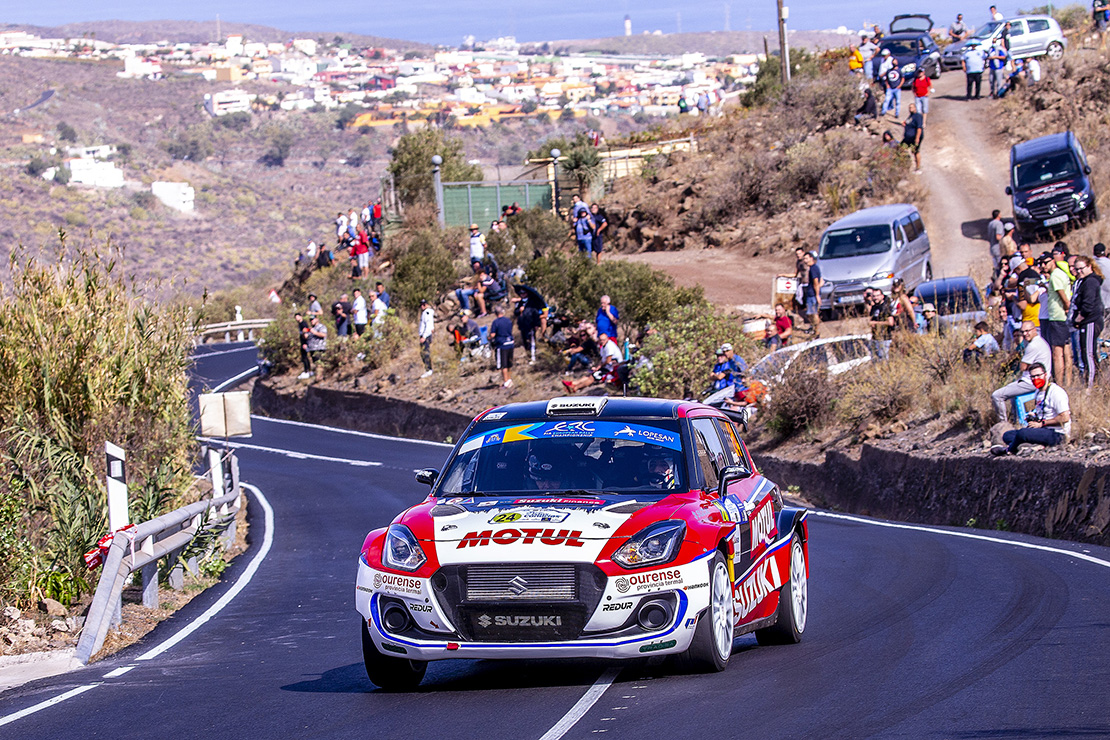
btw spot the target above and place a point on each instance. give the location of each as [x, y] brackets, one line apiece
[449, 21]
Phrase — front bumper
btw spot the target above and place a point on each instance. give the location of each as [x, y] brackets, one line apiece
[611, 630]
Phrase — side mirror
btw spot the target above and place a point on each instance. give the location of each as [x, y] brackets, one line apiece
[730, 474]
[1086, 169]
[1009, 190]
[427, 476]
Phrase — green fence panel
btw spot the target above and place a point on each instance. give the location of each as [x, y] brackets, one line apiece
[481, 203]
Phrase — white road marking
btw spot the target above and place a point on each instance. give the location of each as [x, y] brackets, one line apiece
[118, 672]
[44, 704]
[248, 348]
[232, 381]
[244, 578]
[582, 706]
[967, 535]
[292, 453]
[350, 431]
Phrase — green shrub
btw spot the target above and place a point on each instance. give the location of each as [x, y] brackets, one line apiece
[537, 231]
[804, 400]
[194, 144]
[411, 165]
[681, 352]
[66, 132]
[240, 121]
[280, 343]
[425, 270]
[36, 167]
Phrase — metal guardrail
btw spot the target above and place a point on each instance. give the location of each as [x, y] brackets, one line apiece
[139, 549]
[242, 330]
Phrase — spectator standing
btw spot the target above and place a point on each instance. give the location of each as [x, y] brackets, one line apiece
[973, 63]
[378, 311]
[912, 134]
[892, 80]
[340, 228]
[316, 341]
[477, 244]
[994, 14]
[1054, 302]
[302, 341]
[1037, 352]
[995, 231]
[922, 86]
[324, 257]
[722, 371]
[868, 50]
[881, 320]
[601, 225]
[812, 293]
[1103, 263]
[932, 321]
[425, 331]
[584, 231]
[577, 206]
[531, 314]
[314, 308]
[1100, 14]
[1088, 314]
[376, 215]
[379, 288]
[783, 328]
[1007, 245]
[311, 250]
[358, 312]
[1048, 424]
[998, 57]
[366, 218]
[607, 317]
[352, 224]
[501, 340]
[341, 312]
[901, 308]
[958, 31]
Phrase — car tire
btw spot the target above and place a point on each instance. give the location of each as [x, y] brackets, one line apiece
[387, 672]
[712, 644]
[793, 602]
[1055, 50]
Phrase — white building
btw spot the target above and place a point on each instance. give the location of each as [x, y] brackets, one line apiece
[228, 101]
[137, 66]
[176, 195]
[305, 46]
[234, 44]
[96, 173]
[91, 152]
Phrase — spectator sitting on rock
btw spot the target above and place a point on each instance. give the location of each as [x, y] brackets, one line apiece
[1037, 352]
[465, 333]
[722, 371]
[324, 257]
[984, 344]
[579, 350]
[1048, 424]
[869, 110]
[607, 317]
[605, 370]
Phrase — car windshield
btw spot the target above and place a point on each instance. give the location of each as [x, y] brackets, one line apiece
[901, 47]
[854, 242]
[987, 30]
[583, 456]
[1050, 168]
[950, 300]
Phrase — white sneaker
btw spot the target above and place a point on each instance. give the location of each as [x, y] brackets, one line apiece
[508, 383]
[427, 374]
[302, 376]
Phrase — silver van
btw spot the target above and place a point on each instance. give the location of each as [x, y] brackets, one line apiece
[1030, 36]
[870, 248]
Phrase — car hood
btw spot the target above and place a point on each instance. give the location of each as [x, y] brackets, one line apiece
[860, 268]
[536, 528]
[911, 22]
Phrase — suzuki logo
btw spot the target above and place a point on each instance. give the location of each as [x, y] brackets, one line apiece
[518, 585]
[484, 620]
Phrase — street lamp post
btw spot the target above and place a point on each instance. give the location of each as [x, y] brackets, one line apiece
[555, 179]
[437, 184]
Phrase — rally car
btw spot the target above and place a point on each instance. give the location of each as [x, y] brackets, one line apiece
[585, 527]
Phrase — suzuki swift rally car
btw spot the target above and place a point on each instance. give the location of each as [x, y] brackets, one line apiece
[585, 527]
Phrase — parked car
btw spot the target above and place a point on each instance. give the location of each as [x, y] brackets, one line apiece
[1030, 36]
[957, 300]
[912, 46]
[869, 248]
[585, 528]
[1050, 185]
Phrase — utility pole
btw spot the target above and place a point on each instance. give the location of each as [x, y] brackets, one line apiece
[728, 19]
[784, 50]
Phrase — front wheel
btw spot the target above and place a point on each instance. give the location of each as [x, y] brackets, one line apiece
[793, 603]
[391, 674]
[1055, 50]
[712, 644]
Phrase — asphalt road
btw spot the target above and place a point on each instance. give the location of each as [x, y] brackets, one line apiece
[912, 633]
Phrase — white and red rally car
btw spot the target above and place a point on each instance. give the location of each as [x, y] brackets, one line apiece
[585, 527]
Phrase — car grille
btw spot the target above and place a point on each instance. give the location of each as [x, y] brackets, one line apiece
[1054, 207]
[520, 582]
[522, 623]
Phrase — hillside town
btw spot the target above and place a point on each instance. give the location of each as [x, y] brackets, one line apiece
[473, 85]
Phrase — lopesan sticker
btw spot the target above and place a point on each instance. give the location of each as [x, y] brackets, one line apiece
[524, 535]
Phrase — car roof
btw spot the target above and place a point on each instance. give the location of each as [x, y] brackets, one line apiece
[614, 407]
[875, 215]
[1041, 145]
[946, 285]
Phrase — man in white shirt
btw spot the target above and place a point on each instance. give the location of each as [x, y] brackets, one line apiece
[610, 358]
[340, 227]
[477, 244]
[1037, 352]
[1048, 424]
[425, 331]
[868, 49]
[358, 309]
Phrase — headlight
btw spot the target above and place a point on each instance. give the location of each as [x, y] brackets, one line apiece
[653, 545]
[907, 68]
[1081, 199]
[401, 550]
[882, 276]
[1022, 212]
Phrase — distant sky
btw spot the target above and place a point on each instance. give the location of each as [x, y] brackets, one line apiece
[448, 21]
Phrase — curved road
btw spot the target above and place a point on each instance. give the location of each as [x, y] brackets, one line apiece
[913, 632]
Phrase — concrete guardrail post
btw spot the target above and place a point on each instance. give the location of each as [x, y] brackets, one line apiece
[150, 576]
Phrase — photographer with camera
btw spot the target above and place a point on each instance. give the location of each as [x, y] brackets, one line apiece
[1048, 424]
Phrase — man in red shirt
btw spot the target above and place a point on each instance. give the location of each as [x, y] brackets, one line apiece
[784, 328]
[922, 86]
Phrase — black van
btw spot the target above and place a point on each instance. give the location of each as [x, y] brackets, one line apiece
[1050, 184]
